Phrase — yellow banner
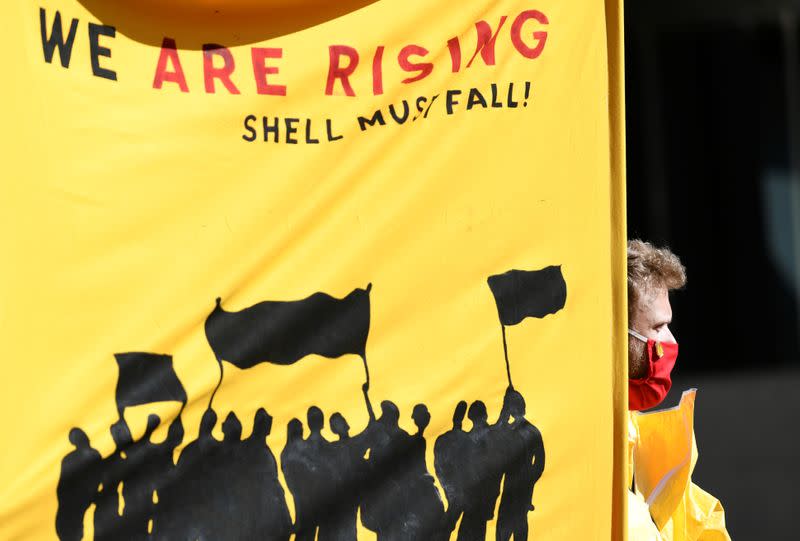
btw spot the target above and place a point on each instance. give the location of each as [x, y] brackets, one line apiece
[280, 270]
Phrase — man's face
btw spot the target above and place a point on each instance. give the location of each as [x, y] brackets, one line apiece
[651, 317]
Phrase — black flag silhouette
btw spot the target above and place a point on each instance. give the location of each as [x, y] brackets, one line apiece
[146, 378]
[520, 294]
[283, 332]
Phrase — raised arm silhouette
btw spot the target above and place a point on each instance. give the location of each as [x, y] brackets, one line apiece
[523, 468]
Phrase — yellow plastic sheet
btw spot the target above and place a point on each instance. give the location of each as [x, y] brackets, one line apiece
[664, 456]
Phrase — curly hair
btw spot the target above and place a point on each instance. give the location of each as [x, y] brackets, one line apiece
[651, 268]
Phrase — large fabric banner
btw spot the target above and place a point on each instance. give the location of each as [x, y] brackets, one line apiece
[312, 270]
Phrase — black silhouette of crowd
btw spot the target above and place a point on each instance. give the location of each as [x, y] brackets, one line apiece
[230, 489]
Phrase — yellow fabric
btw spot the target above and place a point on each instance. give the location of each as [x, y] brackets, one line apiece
[664, 454]
[126, 209]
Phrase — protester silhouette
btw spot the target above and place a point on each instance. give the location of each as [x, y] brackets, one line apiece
[230, 475]
[262, 496]
[108, 522]
[161, 472]
[308, 474]
[349, 475]
[77, 486]
[139, 483]
[295, 469]
[449, 463]
[384, 505]
[190, 500]
[423, 504]
[484, 474]
[523, 468]
[319, 452]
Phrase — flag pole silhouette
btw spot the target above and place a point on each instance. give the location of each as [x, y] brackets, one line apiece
[521, 294]
[283, 332]
[145, 378]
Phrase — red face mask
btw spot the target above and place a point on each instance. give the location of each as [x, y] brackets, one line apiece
[649, 391]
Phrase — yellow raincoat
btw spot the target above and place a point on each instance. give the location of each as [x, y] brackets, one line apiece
[665, 505]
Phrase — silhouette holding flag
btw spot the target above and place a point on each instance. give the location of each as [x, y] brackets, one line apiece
[283, 332]
[521, 294]
[146, 378]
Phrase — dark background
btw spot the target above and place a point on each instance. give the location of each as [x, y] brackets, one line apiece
[713, 154]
